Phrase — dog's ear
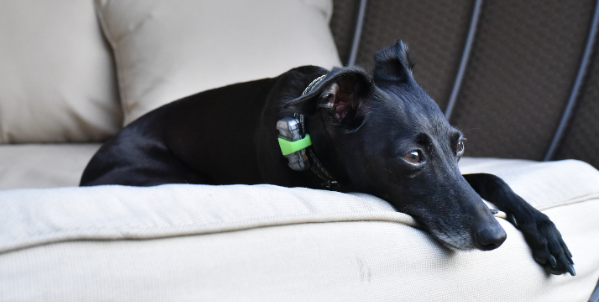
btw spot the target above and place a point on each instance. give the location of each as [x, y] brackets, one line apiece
[342, 94]
[392, 64]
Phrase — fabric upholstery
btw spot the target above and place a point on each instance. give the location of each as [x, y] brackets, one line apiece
[57, 77]
[267, 243]
[43, 165]
[166, 50]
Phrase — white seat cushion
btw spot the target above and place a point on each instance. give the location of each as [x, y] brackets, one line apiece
[57, 76]
[267, 243]
[43, 165]
[166, 50]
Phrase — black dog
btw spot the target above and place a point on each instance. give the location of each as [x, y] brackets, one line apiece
[381, 135]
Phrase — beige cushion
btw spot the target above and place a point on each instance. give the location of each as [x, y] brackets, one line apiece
[267, 243]
[168, 49]
[57, 80]
[43, 165]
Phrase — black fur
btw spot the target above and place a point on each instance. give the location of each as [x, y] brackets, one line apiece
[381, 135]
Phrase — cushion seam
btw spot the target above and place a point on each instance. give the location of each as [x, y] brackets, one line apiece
[117, 58]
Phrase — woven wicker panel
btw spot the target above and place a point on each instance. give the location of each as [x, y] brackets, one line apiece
[524, 62]
[434, 30]
[343, 24]
[581, 140]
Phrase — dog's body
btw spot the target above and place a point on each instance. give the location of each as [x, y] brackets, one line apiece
[381, 135]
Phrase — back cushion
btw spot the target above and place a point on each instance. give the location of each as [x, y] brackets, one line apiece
[57, 80]
[169, 49]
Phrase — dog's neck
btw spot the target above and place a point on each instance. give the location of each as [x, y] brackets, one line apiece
[316, 166]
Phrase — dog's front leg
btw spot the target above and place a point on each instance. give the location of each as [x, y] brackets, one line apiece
[548, 247]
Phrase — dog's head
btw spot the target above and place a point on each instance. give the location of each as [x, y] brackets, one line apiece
[384, 135]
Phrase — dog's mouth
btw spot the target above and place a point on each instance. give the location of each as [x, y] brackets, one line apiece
[484, 238]
[463, 233]
[455, 238]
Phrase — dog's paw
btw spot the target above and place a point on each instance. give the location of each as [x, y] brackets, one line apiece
[548, 247]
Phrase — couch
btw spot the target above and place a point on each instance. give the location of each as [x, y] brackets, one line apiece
[75, 72]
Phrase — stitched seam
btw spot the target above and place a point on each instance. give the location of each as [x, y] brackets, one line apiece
[117, 59]
[155, 232]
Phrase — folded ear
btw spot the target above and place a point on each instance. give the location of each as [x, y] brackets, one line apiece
[392, 64]
[342, 93]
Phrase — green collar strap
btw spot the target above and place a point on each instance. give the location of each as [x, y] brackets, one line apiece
[288, 147]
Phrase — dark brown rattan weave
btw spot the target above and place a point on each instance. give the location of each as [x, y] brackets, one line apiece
[524, 60]
[581, 139]
[435, 31]
[343, 23]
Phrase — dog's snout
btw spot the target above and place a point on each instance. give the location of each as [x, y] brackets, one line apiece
[490, 238]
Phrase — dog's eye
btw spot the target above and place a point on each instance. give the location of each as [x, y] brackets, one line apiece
[460, 148]
[414, 157]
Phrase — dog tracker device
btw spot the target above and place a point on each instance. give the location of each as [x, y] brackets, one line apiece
[293, 146]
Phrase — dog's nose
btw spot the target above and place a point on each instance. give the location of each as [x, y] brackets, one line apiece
[490, 237]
